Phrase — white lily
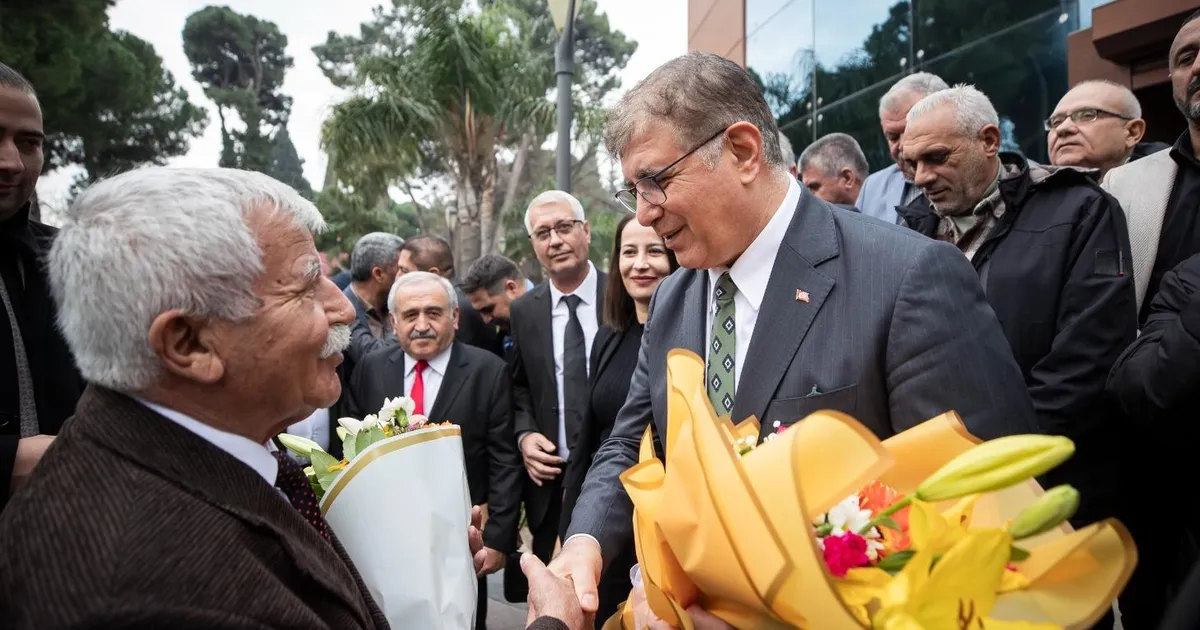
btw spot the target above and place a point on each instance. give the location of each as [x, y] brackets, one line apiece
[369, 422]
[391, 405]
[351, 425]
[301, 446]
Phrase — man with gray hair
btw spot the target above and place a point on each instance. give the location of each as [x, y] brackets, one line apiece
[774, 283]
[374, 262]
[1096, 124]
[887, 189]
[1052, 253]
[451, 381]
[833, 168]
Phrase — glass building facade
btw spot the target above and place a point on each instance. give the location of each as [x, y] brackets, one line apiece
[824, 64]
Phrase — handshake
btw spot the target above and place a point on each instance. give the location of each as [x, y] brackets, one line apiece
[564, 594]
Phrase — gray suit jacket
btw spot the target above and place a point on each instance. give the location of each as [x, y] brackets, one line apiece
[881, 192]
[896, 331]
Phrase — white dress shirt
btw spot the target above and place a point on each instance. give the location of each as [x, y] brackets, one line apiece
[245, 450]
[750, 274]
[559, 316]
[432, 377]
[314, 427]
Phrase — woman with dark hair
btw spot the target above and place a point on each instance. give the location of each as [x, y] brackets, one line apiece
[639, 261]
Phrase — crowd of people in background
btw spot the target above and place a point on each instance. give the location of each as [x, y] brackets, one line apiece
[1056, 298]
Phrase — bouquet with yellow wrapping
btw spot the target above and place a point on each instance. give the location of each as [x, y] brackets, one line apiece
[824, 526]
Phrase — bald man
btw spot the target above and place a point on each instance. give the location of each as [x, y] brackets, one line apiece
[1096, 125]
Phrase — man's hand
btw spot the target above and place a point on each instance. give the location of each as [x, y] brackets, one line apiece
[540, 462]
[552, 596]
[29, 453]
[493, 561]
[475, 539]
[581, 563]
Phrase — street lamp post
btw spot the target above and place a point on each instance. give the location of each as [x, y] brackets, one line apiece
[563, 12]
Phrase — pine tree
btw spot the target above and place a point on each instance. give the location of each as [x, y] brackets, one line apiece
[286, 165]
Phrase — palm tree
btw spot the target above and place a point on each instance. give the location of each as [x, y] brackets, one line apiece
[437, 93]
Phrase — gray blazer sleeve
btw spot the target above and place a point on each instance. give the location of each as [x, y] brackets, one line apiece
[604, 510]
[947, 352]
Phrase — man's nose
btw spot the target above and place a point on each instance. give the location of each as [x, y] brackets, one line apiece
[337, 306]
[647, 213]
[923, 175]
[10, 157]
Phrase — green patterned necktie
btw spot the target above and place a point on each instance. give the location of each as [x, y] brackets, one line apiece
[722, 351]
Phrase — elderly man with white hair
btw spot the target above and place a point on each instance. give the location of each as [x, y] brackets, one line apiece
[1052, 252]
[193, 302]
[833, 168]
[1096, 124]
[892, 187]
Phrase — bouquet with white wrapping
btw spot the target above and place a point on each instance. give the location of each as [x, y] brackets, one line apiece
[399, 504]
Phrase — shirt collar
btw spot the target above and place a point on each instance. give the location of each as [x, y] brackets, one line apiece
[752, 270]
[437, 364]
[1182, 152]
[585, 291]
[256, 456]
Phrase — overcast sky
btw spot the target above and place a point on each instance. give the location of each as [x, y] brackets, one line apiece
[659, 28]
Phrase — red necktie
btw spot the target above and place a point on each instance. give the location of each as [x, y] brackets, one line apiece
[418, 389]
[295, 486]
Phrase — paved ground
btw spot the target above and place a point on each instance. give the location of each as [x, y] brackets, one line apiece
[501, 614]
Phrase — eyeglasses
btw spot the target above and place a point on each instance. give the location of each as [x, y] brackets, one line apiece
[562, 228]
[1082, 116]
[648, 187]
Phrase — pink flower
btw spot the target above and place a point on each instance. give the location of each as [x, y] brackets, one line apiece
[844, 552]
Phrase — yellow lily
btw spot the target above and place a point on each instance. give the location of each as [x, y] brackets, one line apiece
[956, 592]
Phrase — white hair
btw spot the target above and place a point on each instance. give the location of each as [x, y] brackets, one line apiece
[973, 110]
[153, 240]
[1130, 106]
[920, 83]
[418, 277]
[554, 196]
[789, 154]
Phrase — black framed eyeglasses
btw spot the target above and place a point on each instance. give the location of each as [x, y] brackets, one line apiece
[562, 228]
[1081, 117]
[648, 187]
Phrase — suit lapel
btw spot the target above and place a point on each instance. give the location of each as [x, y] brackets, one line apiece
[452, 382]
[1146, 214]
[810, 240]
[181, 458]
[544, 332]
[693, 332]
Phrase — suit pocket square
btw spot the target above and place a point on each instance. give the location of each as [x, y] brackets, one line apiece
[787, 411]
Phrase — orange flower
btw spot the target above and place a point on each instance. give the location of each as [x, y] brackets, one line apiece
[877, 497]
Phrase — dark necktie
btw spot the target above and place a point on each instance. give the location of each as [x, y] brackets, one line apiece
[294, 484]
[575, 374]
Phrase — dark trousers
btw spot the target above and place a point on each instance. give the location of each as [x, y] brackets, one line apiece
[545, 535]
[481, 605]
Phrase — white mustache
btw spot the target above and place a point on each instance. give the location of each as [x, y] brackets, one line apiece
[337, 341]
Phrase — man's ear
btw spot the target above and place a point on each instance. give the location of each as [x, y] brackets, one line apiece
[746, 144]
[435, 271]
[455, 316]
[990, 136]
[187, 347]
[1134, 130]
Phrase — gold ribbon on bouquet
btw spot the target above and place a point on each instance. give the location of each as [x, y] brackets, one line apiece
[731, 533]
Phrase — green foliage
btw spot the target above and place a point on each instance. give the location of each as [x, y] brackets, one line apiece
[241, 62]
[108, 104]
[286, 165]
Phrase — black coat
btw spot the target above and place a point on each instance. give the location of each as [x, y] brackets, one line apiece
[1056, 272]
[56, 380]
[476, 395]
[535, 387]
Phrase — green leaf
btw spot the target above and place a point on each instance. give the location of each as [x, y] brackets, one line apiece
[361, 441]
[896, 561]
[377, 435]
[889, 523]
[349, 450]
[824, 529]
[1018, 554]
[342, 433]
[322, 462]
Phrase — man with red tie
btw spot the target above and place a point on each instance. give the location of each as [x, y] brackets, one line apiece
[453, 382]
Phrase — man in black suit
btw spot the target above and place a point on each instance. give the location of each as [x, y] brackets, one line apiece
[491, 284]
[452, 382]
[39, 383]
[432, 254]
[554, 328]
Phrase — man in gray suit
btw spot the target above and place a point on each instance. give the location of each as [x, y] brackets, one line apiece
[798, 305]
